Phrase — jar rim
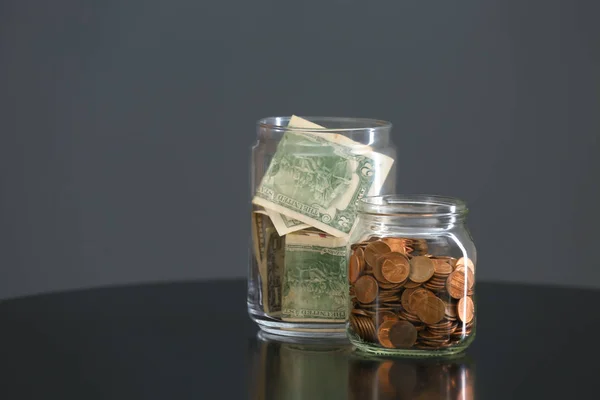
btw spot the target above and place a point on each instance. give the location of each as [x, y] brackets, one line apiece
[412, 205]
[347, 124]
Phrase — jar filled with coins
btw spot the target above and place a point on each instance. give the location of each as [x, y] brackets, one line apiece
[411, 276]
[307, 177]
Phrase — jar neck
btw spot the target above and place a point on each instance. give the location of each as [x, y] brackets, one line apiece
[431, 222]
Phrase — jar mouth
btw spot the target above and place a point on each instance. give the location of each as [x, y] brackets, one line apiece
[331, 124]
[413, 205]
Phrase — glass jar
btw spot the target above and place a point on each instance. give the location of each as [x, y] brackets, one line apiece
[412, 277]
[307, 178]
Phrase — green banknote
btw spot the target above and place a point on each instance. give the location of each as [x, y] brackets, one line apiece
[271, 271]
[318, 180]
[314, 280]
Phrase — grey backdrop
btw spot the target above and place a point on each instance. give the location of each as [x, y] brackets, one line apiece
[125, 126]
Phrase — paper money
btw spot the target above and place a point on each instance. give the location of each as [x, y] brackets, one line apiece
[284, 224]
[319, 179]
[314, 282]
[271, 271]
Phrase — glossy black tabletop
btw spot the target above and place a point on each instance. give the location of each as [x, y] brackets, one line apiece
[196, 341]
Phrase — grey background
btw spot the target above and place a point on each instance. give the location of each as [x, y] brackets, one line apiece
[125, 126]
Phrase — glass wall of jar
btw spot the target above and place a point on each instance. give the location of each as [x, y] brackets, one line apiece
[412, 276]
[307, 177]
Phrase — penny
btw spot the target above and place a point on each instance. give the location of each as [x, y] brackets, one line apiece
[358, 311]
[366, 289]
[396, 244]
[383, 334]
[457, 285]
[450, 309]
[374, 250]
[404, 299]
[431, 310]
[441, 267]
[421, 269]
[360, 253]
[377, 270]
[417, 297]
[353, 268]
[411, 285]
[383, 316]
[463, 261]
[465, 309]
[395, 270]
[402, 334]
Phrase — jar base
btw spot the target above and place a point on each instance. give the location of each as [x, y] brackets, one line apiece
[297, 329]
[456, 351]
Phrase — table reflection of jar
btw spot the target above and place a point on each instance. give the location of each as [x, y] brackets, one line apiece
[452, 379]
[299, 368]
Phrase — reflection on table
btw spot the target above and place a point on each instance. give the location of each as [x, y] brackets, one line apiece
[294, 369]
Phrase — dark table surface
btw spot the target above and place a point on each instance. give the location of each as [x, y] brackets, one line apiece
[196, 341]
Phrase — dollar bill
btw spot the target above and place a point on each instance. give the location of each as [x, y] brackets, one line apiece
[271, 272]
[285, 224]
[314, 282]
[319, 179]
[260, 221]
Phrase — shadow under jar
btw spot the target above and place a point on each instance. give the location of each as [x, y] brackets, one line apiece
[412, 277]
[307, 177]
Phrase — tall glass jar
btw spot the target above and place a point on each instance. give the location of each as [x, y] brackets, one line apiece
[307, 178]
[412, 277]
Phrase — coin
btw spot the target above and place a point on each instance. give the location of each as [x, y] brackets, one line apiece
[358, 311]
[404, 299]
[383, 334]
[410, 284]
[383, 316]
[450, 309]
[421, 269]
[417, 297]
[461, 262]
[457, 285]
[366, 289]
[377, 270]
[441, 267]
[396, 244]
[395, 270]
[360, 253]
[402, 334]
[353, 268]
[374, 250]
[465, 309]
[431, 310]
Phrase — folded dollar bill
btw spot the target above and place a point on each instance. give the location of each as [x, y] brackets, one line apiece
[318, 179]
[314, 279]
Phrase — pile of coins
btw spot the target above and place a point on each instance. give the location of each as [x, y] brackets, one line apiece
[403, 297]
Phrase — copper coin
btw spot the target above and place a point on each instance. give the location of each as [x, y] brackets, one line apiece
[377, 270]
[394, 270]
[353, 268]
[366, 289]
[383, 316]
[360, 253]
[421, 269]
[358, 311]
[431, 310]
[374, 250]
[463, 261]
[417, 297]
[383, 334]
[441, 267]
[450, 309]
[459, 283]
[411, 285]
[403, 334]
[404, 299]
[396, 244]
[465, 309]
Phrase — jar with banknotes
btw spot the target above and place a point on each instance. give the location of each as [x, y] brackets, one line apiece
[307, 178]
[411, 275]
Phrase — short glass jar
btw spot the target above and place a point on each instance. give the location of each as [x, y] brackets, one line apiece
[412, 277]
[307, 177]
